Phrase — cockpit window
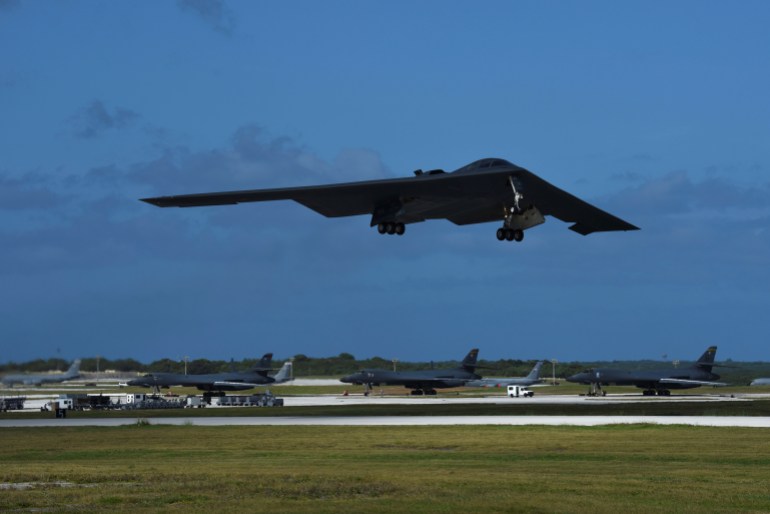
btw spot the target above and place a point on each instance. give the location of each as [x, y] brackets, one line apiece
[484, 164]
[490, 163]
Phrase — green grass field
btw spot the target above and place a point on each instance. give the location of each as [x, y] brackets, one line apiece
[141, 468]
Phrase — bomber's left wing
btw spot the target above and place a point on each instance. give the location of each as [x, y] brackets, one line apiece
[551, 200]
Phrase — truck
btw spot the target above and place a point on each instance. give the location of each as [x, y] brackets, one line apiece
[59, 406]
[88, 401]
[515, 391]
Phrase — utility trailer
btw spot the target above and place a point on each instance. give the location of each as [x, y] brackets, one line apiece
[12, 403]
[253, 400]
[145, 401]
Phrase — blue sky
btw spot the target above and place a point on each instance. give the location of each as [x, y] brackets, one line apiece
[655, 111]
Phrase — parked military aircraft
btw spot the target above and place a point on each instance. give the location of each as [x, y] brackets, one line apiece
[43, 378]
[532, 378]
[483, 191]
[656, 381]
[212, 382]
[420, 382]
[285, 374]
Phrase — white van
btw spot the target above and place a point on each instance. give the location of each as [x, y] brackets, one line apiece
[515, 391]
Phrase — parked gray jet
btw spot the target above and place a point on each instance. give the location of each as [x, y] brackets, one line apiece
[43, 378]
[656, 381]
[532, 378]
[212, 382]
[285, 374]
[420, 382]
[483, 191]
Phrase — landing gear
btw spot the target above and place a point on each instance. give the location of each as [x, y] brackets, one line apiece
[510, 234]
[596, 390]
[659, 392]
[391, 228]
[420, 392]
[517, 216]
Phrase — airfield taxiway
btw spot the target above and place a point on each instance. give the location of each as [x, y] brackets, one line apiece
[351, 400]
[711, 421]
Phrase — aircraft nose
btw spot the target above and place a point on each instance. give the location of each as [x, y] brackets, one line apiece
[355, 378]
[577, 377]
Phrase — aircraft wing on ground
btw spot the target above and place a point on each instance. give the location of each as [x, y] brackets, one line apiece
[484, 191]
[235, 385]
[688, 381]
[434, 380]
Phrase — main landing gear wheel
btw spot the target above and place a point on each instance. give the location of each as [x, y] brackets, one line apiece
[510, 234]
[391, 228]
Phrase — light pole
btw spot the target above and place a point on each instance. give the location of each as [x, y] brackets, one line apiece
[186, 358]
[553, 371]
[394, 364]
[97, 367]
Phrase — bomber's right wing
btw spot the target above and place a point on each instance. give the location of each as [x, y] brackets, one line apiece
[331, 200]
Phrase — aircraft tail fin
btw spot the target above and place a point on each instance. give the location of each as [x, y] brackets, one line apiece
[535, 373]
[74, 369]
[285, 374]
[265, 364]
[706, 361]
[469, 362]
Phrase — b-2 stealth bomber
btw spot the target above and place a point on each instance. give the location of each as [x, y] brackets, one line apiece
[483, 191]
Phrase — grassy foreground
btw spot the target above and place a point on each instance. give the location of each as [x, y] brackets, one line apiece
[148, 468]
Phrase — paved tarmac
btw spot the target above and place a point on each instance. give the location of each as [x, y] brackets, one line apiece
[500, 398]
[321, 400]
[712, 421]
